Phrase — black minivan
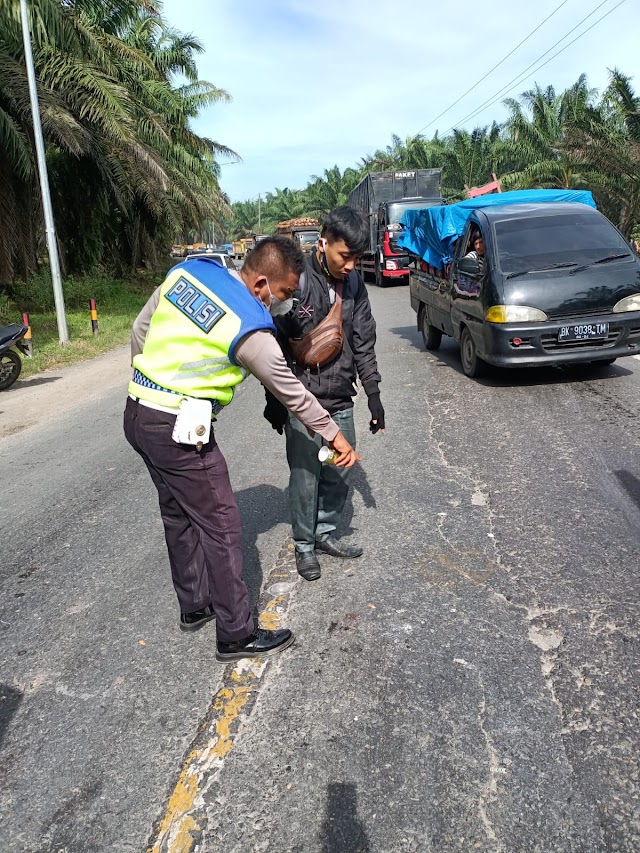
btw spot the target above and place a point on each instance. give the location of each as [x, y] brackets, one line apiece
[557, 284]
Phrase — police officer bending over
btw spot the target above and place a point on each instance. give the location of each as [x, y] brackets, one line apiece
[201, 333]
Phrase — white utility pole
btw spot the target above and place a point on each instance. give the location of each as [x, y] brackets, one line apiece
[52, 246]
[259, 221]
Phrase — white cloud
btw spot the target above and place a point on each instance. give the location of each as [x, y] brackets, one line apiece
[324, 82]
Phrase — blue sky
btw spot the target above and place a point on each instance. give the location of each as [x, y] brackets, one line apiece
[324, 82]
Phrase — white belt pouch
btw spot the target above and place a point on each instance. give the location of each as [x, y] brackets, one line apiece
[193, 422]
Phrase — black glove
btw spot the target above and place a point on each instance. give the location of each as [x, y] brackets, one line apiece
[377, 412]
[275, 413]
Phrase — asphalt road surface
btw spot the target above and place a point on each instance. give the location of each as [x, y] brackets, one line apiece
[471, 683]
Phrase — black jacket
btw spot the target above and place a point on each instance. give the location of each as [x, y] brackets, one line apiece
[333, 384]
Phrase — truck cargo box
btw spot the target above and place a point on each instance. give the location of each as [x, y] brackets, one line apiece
[379, 187]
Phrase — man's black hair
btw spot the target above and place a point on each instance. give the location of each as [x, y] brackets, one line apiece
[348, 224]
[275, 257]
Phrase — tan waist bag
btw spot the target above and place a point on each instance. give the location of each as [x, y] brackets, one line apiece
[323, 343]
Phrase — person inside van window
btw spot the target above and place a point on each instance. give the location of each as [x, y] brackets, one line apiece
[477, 241]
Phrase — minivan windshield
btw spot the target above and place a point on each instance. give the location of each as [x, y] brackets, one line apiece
[561, 240]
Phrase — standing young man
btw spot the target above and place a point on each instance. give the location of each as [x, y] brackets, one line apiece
[318, 492]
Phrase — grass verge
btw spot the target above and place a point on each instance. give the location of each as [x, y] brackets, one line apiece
[118, 303]
[114, 321]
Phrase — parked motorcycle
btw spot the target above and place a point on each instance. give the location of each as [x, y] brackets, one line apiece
[12, 338]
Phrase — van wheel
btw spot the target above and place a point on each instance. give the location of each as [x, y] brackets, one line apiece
[605, 362]
[472, 366]
[431, 336]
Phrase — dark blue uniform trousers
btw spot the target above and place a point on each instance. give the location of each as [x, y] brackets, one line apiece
[200, 516]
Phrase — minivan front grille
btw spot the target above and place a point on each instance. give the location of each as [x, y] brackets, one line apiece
[550, 343]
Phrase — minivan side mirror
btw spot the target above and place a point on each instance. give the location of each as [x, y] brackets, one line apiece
[470, 267]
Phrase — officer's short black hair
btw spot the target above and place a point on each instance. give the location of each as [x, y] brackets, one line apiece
[348, 224]
[275, 257]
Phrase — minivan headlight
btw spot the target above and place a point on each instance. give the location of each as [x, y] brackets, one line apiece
[629, 303]
[515, 314]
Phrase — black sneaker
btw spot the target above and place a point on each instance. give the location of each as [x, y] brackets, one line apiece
[260, 644]
[196, 619]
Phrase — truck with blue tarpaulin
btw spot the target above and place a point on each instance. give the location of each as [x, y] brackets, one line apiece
[522, 279]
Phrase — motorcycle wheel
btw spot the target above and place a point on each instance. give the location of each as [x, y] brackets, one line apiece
[10, 367]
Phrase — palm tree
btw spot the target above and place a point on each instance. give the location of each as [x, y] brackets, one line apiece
[330, 190]
[421, 153]
[245, 219]
[533, 151]
[467, 159]
[281, 205]
[127, 172]
[606, 139]
[391, 157]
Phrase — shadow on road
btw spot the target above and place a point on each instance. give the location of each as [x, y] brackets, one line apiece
[358, 483]
[78, 823]
[630, 483]
[409, 333]
[10, 699]
[265, 506]
[342, 831]
[261, 508]
[449, 355]
[28, 383]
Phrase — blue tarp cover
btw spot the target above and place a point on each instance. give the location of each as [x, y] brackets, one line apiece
[430, 232]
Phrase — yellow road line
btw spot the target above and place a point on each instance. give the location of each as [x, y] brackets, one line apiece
[180, 827]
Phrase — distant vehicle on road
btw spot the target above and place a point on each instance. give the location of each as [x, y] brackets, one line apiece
[222, 258]
[556, 282]
[242, 247]
[303, 230]
[382, 198]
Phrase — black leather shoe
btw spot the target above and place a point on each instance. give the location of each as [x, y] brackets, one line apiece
[334, 548]
[308, 565]
[196, 619]
[260, 644]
